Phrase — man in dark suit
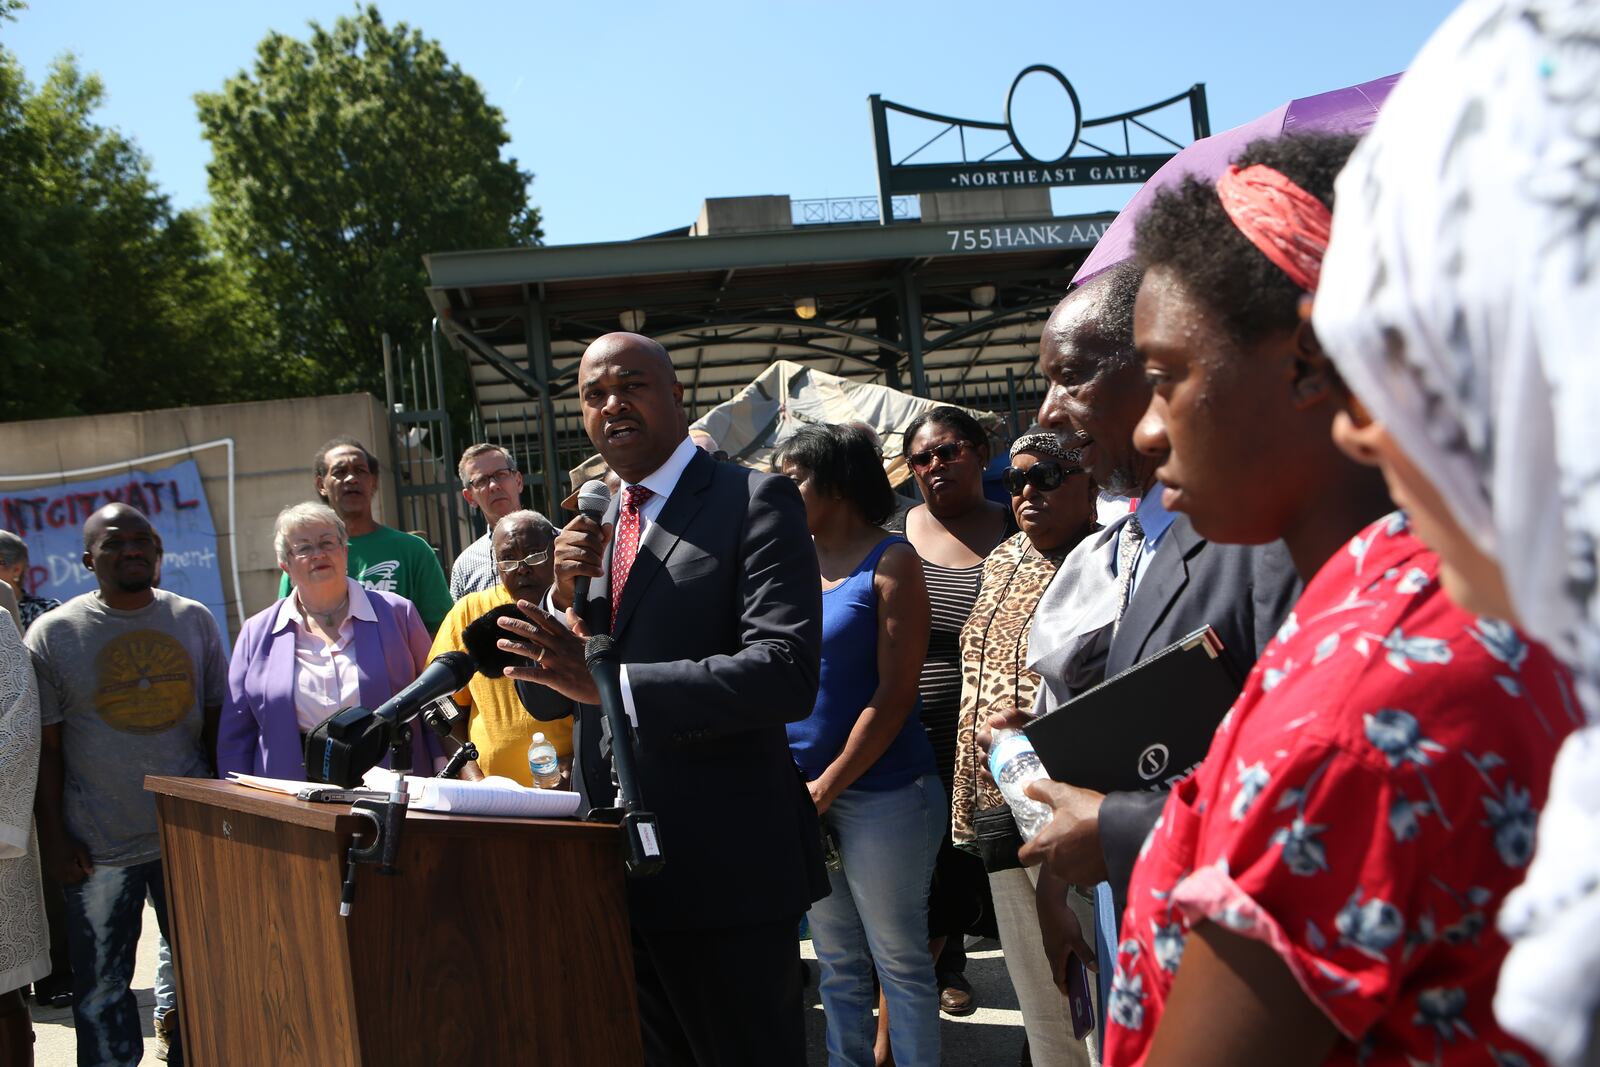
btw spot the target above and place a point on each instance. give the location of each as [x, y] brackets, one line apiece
[704, 574]
[1170, 581]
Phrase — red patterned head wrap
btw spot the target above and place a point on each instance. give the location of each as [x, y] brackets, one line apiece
[1288, 224]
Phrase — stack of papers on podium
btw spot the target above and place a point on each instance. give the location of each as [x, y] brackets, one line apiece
[491, 796]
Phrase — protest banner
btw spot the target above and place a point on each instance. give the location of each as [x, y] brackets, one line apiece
[50, 519]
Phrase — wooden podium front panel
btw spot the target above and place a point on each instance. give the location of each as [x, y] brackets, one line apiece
[506, 941]
[499, 941]
[263, 975]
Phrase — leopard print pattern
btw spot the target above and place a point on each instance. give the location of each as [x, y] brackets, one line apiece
[994, 673]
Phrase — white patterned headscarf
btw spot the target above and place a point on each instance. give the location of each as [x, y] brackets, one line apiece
[1460, 300]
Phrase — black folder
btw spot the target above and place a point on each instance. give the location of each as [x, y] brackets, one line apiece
[1145, 728]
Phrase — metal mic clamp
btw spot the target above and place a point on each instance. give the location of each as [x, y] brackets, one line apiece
[641, 839]
[459, 759]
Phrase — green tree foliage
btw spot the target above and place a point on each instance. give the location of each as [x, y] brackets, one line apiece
[109, 299]
[336, 164]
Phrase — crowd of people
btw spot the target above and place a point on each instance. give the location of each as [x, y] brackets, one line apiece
[1334, 408]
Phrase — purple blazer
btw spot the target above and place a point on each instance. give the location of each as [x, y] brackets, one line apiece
[259, 733]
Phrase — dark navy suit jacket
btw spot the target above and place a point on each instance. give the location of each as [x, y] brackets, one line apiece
[720, 628]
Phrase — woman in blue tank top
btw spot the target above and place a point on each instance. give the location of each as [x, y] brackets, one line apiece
[866, 756]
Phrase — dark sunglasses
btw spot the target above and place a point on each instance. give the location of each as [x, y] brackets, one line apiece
[1044, 476]
[945, 453]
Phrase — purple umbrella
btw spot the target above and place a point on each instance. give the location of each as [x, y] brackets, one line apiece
[1349, 110]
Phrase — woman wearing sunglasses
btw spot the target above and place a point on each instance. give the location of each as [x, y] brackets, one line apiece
[1053, 500]
[953, 531]
[330, 644]
[863, 752]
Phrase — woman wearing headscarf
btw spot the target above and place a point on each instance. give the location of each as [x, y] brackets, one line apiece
[1053, 500]
[1461, 303]
[1319, 890]
[24, 937]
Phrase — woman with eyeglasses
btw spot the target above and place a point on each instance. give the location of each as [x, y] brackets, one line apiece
[1053, 500]
[953, 531]
[864, 755]
[329, 644]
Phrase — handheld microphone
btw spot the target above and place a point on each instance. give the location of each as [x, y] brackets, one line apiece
[594, 497]
[641, 835]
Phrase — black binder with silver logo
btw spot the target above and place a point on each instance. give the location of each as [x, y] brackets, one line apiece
[1145, 728]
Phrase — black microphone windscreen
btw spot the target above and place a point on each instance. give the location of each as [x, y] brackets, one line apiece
[597, 648]
[481, 637]
[594, 496]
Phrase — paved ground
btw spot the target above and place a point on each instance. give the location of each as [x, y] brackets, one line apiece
[990, 1037]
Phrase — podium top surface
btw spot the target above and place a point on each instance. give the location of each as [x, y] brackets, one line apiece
[336, 817]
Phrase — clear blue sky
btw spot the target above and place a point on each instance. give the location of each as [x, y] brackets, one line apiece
[629, 113]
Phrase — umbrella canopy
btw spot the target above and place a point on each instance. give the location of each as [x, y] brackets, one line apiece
[1348, 110]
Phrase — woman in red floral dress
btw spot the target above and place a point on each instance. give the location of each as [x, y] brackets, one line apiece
[1322, 889]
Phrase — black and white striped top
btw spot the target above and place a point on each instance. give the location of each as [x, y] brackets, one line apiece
[951, 593]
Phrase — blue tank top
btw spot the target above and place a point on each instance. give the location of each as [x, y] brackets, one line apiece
[849, 677]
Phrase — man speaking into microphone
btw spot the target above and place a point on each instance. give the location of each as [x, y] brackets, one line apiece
[704, 576]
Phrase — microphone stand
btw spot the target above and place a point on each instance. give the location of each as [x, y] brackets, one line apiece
[440, 721]
[386, 816]
[641, 836]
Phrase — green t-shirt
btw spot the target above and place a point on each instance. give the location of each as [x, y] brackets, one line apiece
[393, 561]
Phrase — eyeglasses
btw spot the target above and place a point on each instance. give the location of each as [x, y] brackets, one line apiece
[306, 550]
[1045, 475]
[509, 565]
[482, 481]
[945, 453]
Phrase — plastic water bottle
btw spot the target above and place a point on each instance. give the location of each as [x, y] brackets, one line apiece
[544, 763]
[1013, 763]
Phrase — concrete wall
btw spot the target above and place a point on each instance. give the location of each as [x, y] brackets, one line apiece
[743, 214]
[273, 445]
[979, 205]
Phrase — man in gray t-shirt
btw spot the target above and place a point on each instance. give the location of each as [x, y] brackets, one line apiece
[131, 682]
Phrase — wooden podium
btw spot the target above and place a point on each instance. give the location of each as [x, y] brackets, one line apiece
[498, 941]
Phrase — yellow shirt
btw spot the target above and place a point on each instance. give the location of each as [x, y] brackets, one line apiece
[499, 725]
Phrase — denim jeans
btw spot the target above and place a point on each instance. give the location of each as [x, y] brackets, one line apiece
[104, 914]
[877, 917]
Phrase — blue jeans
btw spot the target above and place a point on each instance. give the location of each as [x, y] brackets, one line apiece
[104, 913]
[877, 917]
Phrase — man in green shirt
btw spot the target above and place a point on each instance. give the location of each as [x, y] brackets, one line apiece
[381, 557]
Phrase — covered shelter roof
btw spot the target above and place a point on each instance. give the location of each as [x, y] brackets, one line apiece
[949, 310]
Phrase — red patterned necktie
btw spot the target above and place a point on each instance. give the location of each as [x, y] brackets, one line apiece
[634, 497]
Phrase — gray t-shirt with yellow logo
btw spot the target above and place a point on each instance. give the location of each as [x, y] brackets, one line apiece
[130, 689]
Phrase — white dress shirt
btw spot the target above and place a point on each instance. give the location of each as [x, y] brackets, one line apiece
[325, 676]
[661, 482]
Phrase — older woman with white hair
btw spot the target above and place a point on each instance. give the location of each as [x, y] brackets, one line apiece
[330, 644]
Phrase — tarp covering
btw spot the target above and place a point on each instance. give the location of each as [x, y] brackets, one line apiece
[789, 395]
